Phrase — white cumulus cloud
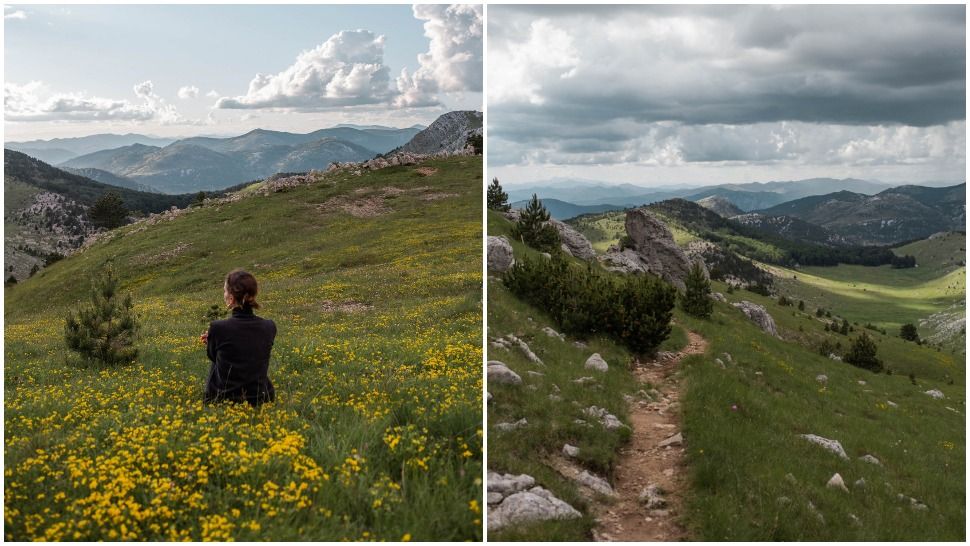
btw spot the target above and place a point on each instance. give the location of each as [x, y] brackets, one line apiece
[346, 70]
[453, 62]
[188, 92]
[10, 13]
[36, 101]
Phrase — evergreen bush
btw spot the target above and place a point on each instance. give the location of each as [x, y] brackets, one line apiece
[862, 354]
[104, 331]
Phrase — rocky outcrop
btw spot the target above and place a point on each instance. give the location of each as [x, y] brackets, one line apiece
[448, 133]
[654, 250]
[759, 315]
[516, 500]
[573, 241]
[500, 256]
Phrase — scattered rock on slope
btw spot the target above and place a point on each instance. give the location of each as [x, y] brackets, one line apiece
[500, 257]
[573, 241]
[498, 372]
[536, 504]
[832, 445]
[596, 362]
[759, 315]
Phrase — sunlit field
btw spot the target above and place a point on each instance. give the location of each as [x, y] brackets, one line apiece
[376, 431]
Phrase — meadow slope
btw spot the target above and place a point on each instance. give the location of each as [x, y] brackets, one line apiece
[750, 475]
[374, 282]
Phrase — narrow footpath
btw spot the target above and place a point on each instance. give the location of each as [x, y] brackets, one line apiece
[652, 464]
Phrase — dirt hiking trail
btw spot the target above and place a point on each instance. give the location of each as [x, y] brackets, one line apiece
[653, 459]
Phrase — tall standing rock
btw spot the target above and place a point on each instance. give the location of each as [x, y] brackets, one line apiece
[654, 250]
[759, 315]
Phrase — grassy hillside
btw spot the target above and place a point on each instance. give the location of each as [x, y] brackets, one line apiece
[376, 432]
[889, 297]
[551, 425]
[751, 476]
[739, 458]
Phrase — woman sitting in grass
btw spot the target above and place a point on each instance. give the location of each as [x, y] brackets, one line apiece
[239, 347]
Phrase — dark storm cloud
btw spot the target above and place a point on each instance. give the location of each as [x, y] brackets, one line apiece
[854, 64]
[620, 79]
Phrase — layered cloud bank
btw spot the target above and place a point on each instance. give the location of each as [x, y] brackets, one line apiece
[750, 85]
[346, 72]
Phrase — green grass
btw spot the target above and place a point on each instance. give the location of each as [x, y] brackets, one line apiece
[738, 459]
[884, 296]
[378, 417]
[551, 423]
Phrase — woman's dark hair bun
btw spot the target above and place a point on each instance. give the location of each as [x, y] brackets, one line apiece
[243, 287]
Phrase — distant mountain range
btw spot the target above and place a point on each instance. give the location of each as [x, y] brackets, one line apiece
[891, 216]
[209, 163]
[561, 210]
[59, 150]
[213, 163]
[748, 196]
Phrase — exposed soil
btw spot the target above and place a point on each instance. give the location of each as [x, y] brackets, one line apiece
[643, 462]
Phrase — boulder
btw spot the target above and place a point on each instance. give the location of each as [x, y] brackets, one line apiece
[570, 451]
[935, 393]
[506, 484]
[500, 257]
[498, 372]
[654, 251]
[832, 445]
[596, 362]
[595, 483]
[836, 482]
[717, 296]
[536, 504]
[524, 347]
[758, 315]
[573, 242]
[822, 378]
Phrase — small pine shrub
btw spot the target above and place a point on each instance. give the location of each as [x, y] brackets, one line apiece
[696, 299]
[862, 354]
[497, 199]
[634, 310]
[103, 332]
[783, 301]
[909, 332]
[533, 227]
[801, 305]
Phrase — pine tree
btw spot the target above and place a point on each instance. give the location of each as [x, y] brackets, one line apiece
[844, 330]
[909, 332]
[104, 331]
[108, 211]
[533, 228]
[696, 299]
[801, 305]
[862, 354]
[497, 199]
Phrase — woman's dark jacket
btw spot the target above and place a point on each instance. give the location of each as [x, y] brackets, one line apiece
[239, 349]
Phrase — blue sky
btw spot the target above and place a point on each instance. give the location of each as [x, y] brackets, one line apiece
[73, 70]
